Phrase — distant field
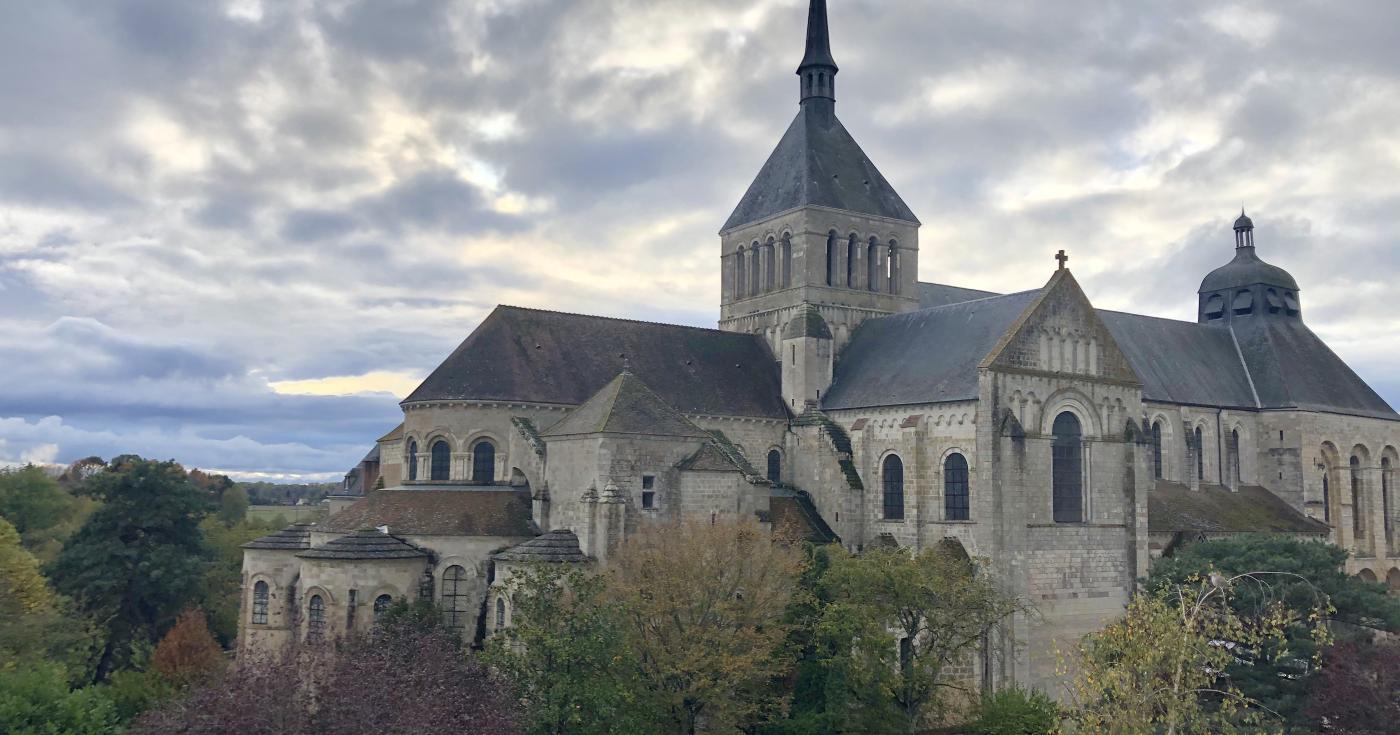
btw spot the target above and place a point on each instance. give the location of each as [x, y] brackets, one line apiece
[292, 513]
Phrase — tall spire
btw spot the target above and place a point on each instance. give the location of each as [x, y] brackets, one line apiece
[817, 72]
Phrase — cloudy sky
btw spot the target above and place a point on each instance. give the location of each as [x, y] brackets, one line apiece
[236, 233]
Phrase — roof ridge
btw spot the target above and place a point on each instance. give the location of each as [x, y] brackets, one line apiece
[621, 319]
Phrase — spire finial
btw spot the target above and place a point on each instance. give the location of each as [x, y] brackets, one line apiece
[817, 71]
[1244, 231]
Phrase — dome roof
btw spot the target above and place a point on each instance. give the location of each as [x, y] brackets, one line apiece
[807, 323]
[1247, 270]
[1244, 222]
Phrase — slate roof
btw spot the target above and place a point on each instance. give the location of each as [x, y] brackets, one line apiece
[1181, 362]
[537, 356]
[467, 512]
[395, 433]
[818, 163]
[555, 547]
[938, 294]
[925, 356]
[365, 544]
[709, 458]
[295, 537]
[1294, 368]
[1173, 507]
[625, 406]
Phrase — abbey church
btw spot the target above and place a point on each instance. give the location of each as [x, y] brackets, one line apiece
[844, 400]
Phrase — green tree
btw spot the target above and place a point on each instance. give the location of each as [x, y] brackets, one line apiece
[35, 700]
[1159, 668]
[1302, 576]
[223, 578]
[34, 624]
[233, 506]
[138, 560]
[41, 510]
[567, 653]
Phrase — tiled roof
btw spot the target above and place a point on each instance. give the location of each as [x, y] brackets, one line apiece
[555, 547]
[625, 406]
[1174, 507]
[548, 357]
[818, 163]
[294, 537]
[492, 511]
[395, 433]
[365, 544]
[792, 511]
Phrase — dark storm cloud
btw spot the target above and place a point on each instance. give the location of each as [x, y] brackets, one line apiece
[196, 203]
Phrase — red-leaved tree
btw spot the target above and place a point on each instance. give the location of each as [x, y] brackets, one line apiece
[1358, 689]
[403, 677]
[188, 653]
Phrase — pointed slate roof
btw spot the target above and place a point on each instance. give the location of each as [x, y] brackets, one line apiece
[365, 544]
[534, 356]
[294, 537]
[625, 406]
[555, 547]
[817, 163]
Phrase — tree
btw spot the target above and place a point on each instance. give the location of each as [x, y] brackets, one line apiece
[35, 700]
[233, 506]
[188, 653]
[138, 560]
[897, 623]
[566, 651]
[34, 624]
[1161, 668]
[703, 608]
[41, 510]
[222, 585]
[403, 677]
[1357, 689]
[1303, 576]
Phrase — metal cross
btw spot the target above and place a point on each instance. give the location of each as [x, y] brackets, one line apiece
[1060, 256]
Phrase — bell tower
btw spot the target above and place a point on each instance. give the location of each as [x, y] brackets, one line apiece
[819, 226]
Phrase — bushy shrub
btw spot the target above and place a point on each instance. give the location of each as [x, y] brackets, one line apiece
[1016, 712]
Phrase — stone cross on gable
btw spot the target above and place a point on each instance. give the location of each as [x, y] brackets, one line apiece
[1060, 256]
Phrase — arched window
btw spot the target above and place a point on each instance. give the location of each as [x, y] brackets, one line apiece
[1067, 469]
[456, 607]
[1234, 449]
[441, 468]
[741, 268]
[1200, 455]
[755, 272]
[315, 620]
[1358, 528]
[955, 496]
[260, 603]
[412, 460]
[894, 267]
[831, 258]
[770, 264]
[1385, 500]
[381, 605]
[484, 461]
[1157, 450]
[787, 260]
[500, 613]
[852, 259]
[892, 477]
[872, 266]
[1326, 496]
[775, 466]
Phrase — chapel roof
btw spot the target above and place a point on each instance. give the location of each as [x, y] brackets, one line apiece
[366, 543]
[1173, 507]
[489, 511]
[535, 356]
[555, 547]
[625, 406]
[294, 537]
[818, 163]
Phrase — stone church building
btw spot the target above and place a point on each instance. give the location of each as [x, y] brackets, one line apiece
[845, 400]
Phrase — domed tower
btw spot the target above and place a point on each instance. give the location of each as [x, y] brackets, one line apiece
[1247, 287]
[819, 224]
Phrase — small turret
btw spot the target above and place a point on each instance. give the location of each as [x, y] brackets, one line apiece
[1247, 286]
[807, 358]
[817, 72]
